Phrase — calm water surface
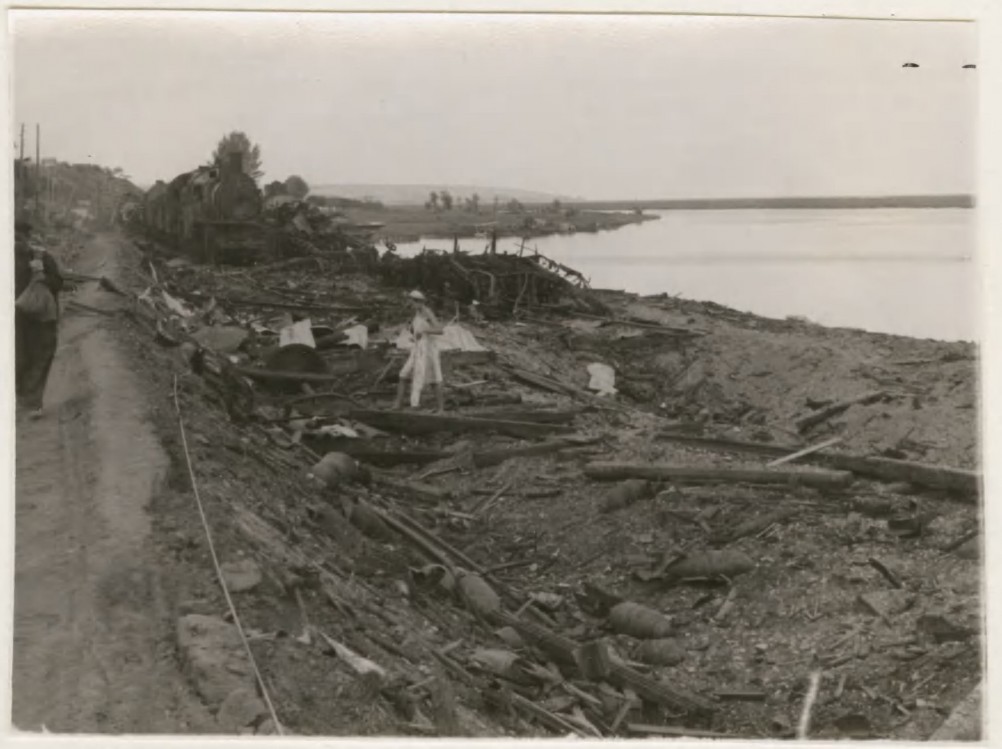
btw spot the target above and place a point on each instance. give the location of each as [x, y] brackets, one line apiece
[905, 271]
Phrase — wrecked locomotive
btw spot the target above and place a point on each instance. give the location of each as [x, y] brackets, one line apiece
[212, 213]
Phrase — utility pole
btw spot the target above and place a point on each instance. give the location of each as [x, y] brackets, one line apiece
[38, 169]
[19, 179]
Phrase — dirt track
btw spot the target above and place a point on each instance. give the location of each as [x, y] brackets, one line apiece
[92, 648]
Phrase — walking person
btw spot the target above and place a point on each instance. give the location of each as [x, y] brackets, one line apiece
[36, 319]
[424, 363]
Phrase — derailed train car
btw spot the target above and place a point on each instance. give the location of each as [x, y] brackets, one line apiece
[212, 213]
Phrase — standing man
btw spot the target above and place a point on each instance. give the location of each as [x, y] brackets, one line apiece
[424, 363]
[35, 338]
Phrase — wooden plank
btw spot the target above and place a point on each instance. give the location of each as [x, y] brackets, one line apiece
[545, 383]
[420, 424]
[689, 474]
[802, 453]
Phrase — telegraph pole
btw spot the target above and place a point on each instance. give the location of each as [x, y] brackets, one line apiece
[19, 177]
[38, 169]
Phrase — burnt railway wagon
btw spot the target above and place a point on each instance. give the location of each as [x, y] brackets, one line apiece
[211, 213]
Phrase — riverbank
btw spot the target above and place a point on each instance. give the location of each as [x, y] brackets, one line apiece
[411, 223]
[507, 492]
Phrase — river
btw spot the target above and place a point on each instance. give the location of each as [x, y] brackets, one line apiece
[904, 271]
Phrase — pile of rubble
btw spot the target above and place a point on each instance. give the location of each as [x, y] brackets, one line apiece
[583, 545]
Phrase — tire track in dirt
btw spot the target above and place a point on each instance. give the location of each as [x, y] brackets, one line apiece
[93, 645]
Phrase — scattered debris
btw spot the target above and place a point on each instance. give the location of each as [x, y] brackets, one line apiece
[474, 571]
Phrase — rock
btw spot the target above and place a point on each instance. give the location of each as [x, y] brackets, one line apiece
[213, 657]
[663, 652]
[964, 723]
[334, 468]
[941, 629]
[241, 576]
[240, 709]
[267, 728]
[969, 549]
[510, 637]
[887, 602]
[222, 338]
[853, 726]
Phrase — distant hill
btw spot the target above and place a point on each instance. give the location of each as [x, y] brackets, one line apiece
[831, 202]
[418, 194]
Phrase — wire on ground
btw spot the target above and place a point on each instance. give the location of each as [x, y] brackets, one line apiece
[219, 571]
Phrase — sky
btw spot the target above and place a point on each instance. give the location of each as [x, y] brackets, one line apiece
[600, 107]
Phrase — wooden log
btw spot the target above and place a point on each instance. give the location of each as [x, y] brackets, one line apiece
[243, 302]
[806, 422]
[416, 489]
[642, 729]
[488, 458]
[367, 452]
[727, 445]
[711, 475]
[958, 480]
[271, 375]
[420, 424]
[593, 660]
[538, 417]
[563, 649]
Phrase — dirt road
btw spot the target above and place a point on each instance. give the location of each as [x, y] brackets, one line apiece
[92, 634]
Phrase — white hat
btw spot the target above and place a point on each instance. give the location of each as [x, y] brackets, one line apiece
[417, 295]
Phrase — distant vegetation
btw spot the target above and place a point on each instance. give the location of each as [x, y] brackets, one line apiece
[62, 194]
[239, 142]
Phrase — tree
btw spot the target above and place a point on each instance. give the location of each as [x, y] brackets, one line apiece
[274, 188]
[432, 202]
[515, 206]
[474, 203]
[557, 205]
[446, 199]
[237, 141]
[296, 187]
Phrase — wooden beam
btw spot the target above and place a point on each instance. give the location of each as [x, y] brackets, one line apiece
[806, 422]
[958, 480]
[419, 424]
[712, 475]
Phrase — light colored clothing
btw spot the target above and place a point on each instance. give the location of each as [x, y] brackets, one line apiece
[424, 363]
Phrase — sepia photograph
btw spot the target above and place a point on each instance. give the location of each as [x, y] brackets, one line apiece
[496, 375]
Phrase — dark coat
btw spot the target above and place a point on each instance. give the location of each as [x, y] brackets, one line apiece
[22, 270]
